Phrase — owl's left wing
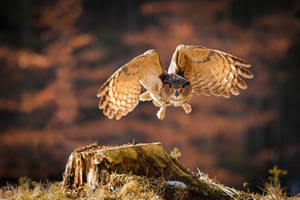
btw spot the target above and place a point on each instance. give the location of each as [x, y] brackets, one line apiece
[210, 71]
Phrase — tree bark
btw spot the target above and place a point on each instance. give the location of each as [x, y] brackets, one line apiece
[92, 165]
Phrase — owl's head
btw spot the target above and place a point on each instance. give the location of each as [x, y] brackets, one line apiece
[176, 88]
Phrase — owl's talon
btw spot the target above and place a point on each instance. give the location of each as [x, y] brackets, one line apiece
[145, 96]
[187, 108]
[161, 113]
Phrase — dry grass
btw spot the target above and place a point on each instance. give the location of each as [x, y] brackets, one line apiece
[120, 186]
[28, 190]
[128, 187]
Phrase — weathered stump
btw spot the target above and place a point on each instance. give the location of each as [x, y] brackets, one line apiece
[92, 166]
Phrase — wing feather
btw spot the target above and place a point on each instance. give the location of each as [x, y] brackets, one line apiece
[119, 95]
[210, 71]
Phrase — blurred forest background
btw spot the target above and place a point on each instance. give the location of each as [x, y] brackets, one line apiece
[55, 54]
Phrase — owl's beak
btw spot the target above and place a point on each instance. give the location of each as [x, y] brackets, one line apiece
[176, 93]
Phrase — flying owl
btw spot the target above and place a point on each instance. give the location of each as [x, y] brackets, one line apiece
[193, 70]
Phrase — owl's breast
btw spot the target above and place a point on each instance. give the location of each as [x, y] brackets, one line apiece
[160, 101]
[172, 100]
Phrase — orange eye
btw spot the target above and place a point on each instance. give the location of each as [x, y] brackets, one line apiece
[181, 90]
[171, 90]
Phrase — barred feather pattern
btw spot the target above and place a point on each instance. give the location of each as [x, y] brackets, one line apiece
[210, 71]
[119, 95]
[207, 71]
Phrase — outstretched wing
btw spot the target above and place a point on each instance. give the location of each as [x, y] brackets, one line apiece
[210, 71]
[120, 93]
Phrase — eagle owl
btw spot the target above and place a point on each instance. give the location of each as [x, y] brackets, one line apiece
[193, 70]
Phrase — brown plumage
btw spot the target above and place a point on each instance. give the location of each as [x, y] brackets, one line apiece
[193, 69]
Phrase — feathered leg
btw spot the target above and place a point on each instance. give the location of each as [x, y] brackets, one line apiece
[187, 108]
[145, 96]
[161, 113]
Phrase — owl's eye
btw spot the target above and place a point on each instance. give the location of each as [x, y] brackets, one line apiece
[171, 90]
[181, 90]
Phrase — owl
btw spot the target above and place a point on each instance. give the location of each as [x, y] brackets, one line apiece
[193, 70]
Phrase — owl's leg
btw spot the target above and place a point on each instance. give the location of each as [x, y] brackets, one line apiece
[145, 96]
[187, 108]
[161, 113]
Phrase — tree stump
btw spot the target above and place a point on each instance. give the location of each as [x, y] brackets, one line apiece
[92, 165]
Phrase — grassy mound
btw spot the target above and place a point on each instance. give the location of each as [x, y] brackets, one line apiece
[128, 186]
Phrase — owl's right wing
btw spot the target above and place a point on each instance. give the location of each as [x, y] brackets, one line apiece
[210, 71]
[120, 93]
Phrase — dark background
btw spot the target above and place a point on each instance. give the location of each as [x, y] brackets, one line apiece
[55, 54]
